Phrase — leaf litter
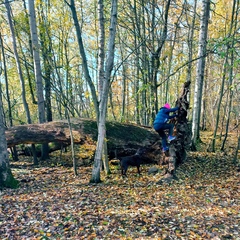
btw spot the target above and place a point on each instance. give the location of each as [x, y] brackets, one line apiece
[52, 203]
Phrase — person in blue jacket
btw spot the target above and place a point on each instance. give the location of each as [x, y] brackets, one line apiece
[161, 123]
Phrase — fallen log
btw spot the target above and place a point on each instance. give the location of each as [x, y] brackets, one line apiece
[57, 131]
[122, 139]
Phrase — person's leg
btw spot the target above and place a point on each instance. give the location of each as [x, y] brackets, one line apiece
[164, 138]
[169, 127]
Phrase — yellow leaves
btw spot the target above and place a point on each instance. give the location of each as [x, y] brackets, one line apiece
[42, 233]
[57, 205]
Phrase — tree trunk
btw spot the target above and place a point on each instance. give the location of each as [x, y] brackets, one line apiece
[44, 32]
[72, 142]
[144, 77]
[177, 149]
[6, 177]
[204, 105]
[136, 29]
[83, 54]
[13, 150]
[155, 62]
[104, 100]
[37, 71]
[233, 30]
[28, 71]
[19, 69]
[170, 57]
[200, 72]
[190, 44]
[101, 49]
[225, 66]
[18, 61]
[82, 131]
[236, 160]
[101, 76]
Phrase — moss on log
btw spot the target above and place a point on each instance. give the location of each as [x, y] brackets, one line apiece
[121, 138]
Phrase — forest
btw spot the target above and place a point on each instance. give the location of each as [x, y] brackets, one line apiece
[81, 83]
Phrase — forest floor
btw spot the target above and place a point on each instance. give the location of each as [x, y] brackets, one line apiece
[51, 203]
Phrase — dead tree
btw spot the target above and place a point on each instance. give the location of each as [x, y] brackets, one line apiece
[177, 148]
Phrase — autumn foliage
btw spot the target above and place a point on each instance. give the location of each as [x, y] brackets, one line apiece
[54, 204]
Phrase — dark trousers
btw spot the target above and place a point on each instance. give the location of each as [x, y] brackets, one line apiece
[160, 130]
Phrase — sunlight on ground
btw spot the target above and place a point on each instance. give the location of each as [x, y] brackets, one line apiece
[52, 203]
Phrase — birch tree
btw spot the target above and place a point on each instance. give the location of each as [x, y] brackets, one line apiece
[104, 97]
[20, 73]
[37, 70]
[19, 68]
[200, 71]
[100, 101]
[36, 60]
[101, 61]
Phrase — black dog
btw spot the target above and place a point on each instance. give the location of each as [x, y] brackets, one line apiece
[133, 160]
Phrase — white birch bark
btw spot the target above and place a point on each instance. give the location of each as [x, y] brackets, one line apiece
[101, 51]
[36, 60]
[37, 71]
[19, 69]
[103, 104]
[200, 71]
[101, 59]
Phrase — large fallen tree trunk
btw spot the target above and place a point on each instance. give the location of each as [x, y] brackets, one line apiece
[123, 139]
[42, 133]
[177, 149]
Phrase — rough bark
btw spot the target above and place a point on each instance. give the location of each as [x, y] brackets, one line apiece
[6, 177]
[121, 138]
[42, 133]
[177, 149]
[10, 118]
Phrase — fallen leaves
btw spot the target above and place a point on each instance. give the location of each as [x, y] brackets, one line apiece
[54, 204]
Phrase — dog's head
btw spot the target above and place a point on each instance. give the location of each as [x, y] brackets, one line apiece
[141, 151]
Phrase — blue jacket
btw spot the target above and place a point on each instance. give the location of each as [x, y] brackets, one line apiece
[163, 116]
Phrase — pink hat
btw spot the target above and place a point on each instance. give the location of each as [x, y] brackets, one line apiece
[167, 105]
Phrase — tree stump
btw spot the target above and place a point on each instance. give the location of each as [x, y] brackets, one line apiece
[182, 130]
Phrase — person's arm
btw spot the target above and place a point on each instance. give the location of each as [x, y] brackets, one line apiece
[172, 116]
[172, 109]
